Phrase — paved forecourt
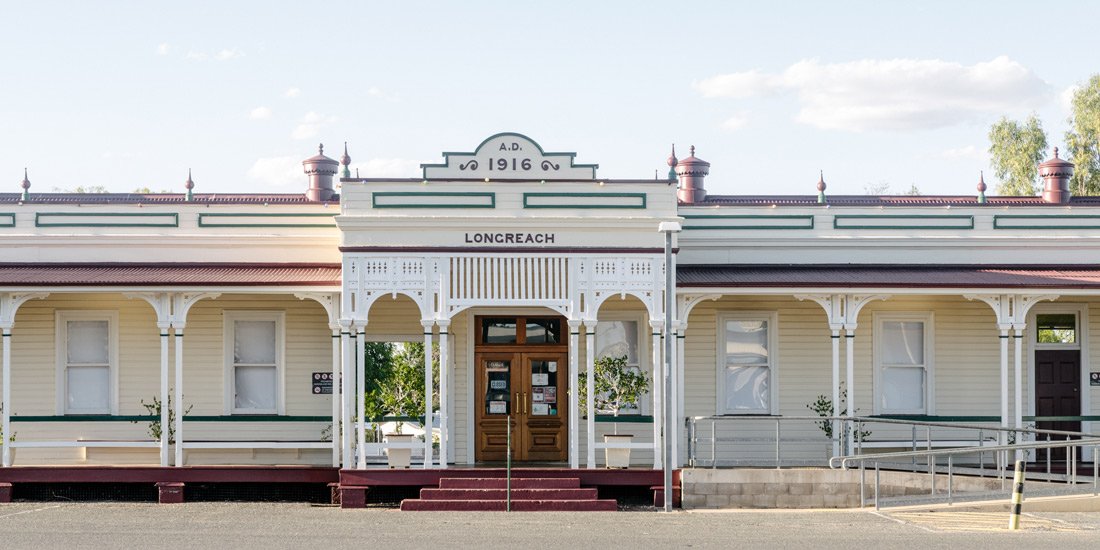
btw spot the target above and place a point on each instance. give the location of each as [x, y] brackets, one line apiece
[273, 526]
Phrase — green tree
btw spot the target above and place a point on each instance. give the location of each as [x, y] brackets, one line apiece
[401, 392]
[1083, 139]
[1016, 149]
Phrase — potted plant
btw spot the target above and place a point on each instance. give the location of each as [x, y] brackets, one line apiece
[154, 410]
[616, 386]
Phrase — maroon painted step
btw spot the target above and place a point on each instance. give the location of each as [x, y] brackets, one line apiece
[413, 505]
[517, 483]
[500, 494]
[530, 494]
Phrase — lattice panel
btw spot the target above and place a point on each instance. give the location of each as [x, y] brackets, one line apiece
[508, 279]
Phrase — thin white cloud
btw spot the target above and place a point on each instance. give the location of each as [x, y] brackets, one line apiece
[311, 125]
[736, 122]
[260, 113]
[278, 172]
[375, 91]
[739, 85]
[223, 55]
[227, 54]
[891, 94]
[293, 93]
[163, 48]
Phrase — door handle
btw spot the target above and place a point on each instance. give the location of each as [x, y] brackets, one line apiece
[517, 403]
[524, 402]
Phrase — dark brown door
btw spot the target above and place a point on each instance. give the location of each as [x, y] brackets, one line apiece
[526, 390]
[521, 379]
[1057, 392]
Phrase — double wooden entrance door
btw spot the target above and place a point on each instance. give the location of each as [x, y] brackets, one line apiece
[528, 391]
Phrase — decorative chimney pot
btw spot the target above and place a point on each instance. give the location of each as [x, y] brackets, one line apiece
[320, 170]
[1056, 174]
[692, 171]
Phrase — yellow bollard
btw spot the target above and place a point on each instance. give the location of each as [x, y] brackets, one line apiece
[1017, 496]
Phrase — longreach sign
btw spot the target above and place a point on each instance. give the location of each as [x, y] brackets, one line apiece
[510, 238]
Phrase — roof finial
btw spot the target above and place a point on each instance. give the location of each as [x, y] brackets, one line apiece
[672, 160]
[345, 160]
[320, 148]
[189, 185]
[981, 187]
[693, 150]
[1055, 152]
[26, 183]
[821, 187]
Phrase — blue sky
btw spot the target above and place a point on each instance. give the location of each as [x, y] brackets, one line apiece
[132, 94]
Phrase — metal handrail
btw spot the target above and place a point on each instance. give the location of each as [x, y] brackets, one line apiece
[847, 433]
[1071, 479]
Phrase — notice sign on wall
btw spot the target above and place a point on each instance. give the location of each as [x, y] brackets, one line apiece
[1094, 378]
[322, 383]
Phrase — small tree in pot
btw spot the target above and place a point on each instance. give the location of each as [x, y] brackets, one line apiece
[616, 387]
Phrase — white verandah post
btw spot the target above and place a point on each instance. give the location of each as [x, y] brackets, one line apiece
[575, 327]
[360, 392]
[428, 393]
[336, 415]
[444, 390]
[590, 399]
[658, 386]
[343, 386]
[164, 409]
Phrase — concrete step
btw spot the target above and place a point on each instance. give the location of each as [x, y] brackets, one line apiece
[517, 483]
[416, 505]
[501, 494]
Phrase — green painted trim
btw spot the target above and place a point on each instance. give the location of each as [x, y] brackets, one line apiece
[257, 418]
[997, 219]
[374, 199]
[571, 155]
[39, 215]
[805, 217]
[204, 216]
[936, 418]
[969, 219]
[642, 196]
[1085, 418]
[625, 419]
[9, 215]
[148, 418]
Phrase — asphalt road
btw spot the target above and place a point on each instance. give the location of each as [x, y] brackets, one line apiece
[211, 526]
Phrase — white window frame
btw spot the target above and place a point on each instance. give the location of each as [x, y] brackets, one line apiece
[61, 319]
[229, 318]
[645, 401]
[926, 317]
[772, 318]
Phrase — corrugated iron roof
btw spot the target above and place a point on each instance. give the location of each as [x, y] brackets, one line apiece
[892, 276]
[34, 275]
[891, 200]
[162, 198]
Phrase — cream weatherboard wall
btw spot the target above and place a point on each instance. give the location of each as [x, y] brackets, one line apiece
[966, 358]
[34, 388]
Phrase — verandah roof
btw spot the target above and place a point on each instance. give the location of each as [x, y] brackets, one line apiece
[889, 276]
[128, 274]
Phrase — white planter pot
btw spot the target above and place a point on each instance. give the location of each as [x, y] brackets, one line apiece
[399, 458]
[617, 458]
